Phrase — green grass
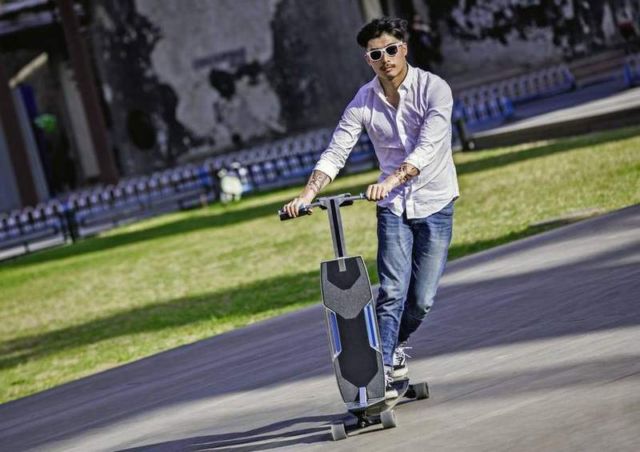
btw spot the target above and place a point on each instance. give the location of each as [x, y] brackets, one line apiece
[105, 301]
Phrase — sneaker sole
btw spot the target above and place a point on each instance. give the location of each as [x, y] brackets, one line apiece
[399, 373]
[391, 394]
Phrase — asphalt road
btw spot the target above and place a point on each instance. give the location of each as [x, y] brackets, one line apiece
[531, 346]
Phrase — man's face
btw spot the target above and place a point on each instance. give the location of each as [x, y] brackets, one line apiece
[388, 66]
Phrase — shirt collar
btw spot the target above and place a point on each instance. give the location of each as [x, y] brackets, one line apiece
[404, 86]
[408, 80]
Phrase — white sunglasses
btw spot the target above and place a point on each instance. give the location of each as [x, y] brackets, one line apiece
[391, 50]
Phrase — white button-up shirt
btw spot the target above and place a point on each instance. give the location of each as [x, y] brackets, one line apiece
[418, 132]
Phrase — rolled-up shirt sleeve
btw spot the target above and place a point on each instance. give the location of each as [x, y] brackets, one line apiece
[344, 138]
[435, 127]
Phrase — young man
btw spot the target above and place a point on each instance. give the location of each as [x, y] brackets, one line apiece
[407, 114]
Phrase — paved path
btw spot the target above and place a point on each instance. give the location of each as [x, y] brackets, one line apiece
[532, 346]
[625, 100]
[549, 118]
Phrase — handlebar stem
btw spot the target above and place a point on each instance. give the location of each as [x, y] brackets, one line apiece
[333, 204]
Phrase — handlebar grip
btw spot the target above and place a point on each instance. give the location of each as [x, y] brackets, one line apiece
[285, 216]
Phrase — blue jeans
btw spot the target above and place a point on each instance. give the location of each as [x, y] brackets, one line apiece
[411, 258]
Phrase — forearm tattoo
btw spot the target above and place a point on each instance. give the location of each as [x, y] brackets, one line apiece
[317, 181]
[405, 173]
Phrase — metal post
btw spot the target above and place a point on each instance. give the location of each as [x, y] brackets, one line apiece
[79, 55]
[337, 234]
[467, 142]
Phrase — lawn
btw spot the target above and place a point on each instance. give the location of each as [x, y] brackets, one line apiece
[132, 292]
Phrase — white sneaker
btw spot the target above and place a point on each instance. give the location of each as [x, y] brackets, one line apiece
[400, 356]
[389, 391]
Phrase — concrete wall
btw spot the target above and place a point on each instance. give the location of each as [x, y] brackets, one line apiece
[483, 36]
[37, 173]
[187, 79]
[9, 195]
[9, 192]
[79, 136]
[183, 80]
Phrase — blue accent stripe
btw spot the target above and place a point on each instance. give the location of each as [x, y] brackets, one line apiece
[335, 334]
[371, 328]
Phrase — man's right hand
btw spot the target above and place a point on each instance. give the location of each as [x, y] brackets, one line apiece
[317, 181]
[293, 207]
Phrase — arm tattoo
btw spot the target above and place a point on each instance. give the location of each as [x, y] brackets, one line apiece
[317, 181]
[405, 173]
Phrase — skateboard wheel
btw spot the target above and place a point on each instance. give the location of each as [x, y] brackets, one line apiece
[338, 431]
[388, 419]
[421, 390]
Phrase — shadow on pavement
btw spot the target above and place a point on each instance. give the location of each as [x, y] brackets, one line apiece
[263, 438]
[499, 385]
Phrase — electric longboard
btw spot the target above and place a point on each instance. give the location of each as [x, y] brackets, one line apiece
[354, 338]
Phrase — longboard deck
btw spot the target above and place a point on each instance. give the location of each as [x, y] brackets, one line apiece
[372, 417]
[353, 331]
[373, 410]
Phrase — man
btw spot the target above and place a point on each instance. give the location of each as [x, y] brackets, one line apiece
[407, 114]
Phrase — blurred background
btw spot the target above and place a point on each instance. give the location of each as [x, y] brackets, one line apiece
[116, 110]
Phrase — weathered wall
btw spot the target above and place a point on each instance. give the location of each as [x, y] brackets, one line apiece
[184, 79]
[190, 78]
[481, 36]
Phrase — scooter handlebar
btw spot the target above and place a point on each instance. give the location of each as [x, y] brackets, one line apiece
[347, 200]
[304, 210]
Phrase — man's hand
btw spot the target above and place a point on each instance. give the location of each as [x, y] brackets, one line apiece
[376, 192]
[317, 181]
[293, 207]
[402, 175]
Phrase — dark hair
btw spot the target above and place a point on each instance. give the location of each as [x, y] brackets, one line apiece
[377, 27]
